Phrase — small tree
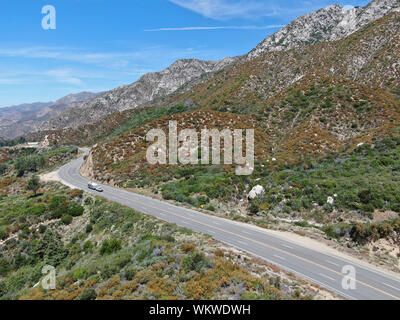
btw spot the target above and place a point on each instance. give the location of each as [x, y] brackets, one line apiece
[33, 184]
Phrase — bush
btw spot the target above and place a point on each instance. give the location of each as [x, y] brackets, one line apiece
[3, 234]
[88, 294]
[188, 247]
[248, 296]
[365, 196]
[130, 273]
[66, 219]
[254, 208]
[29, 164]
[76, 210]
[3, 168]
[194, 262]
[219, 253]
[49, 249]
[33, 184]
[38, 210]
[42, 228]
[337, 231]
[110, 246]
[89, 228]
[88, 246]
[367, 208]
[5, 267]
[210, 208]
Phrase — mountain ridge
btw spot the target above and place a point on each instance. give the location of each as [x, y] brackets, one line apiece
[328, 24]
[148, 87]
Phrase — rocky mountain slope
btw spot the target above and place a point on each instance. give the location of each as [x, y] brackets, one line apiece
[338, 94]
[284, 88]
[182, 72]
[326, 119]
[19, 120]
[329, 24]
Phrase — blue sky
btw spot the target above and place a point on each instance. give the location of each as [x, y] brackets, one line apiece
[101, 44]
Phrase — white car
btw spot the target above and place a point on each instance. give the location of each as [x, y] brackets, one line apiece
[95, 187]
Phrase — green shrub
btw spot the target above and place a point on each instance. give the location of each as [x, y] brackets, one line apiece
[49, 249]
[66, 219]
[110, 246]
[254, 208]
[194, 262]
[56, 202]
[38, 210]
[88, 294]
[248, 296]
[29, 164]
[88, 246]
[3, 234]
[5, 267]
[80, 274]
[3, 168]
[130, 273]
[42, 228]
[210, 208]
[33, 184]
[76, 210]
[89, 228]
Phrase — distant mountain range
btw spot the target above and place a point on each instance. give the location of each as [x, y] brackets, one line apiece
[21, 119]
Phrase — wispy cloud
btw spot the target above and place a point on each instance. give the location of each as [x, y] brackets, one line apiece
[11, 81]
[252, 9]
[216, 28]
[80, 67]
[229, 9]
[135, 60]
[65, 76]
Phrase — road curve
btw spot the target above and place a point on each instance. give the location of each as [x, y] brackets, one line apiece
[318, 267]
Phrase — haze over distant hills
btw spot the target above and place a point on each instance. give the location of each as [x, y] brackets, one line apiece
[21, 119]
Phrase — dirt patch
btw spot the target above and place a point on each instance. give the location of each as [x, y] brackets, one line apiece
[50, 177]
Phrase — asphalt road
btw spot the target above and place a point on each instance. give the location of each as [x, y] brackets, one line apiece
[321, 268]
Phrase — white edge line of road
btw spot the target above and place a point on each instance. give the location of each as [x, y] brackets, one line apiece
[360, 264]
[294, 272]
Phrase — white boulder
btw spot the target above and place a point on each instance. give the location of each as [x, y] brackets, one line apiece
[256, 191]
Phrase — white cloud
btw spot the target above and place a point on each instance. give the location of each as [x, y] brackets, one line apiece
[65, 76]
[82, 67]
[11, 81]
[110, 60]
[216, 28]
[71, 80]
[228, 9]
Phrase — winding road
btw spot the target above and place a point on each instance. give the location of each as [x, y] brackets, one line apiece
[324, 269]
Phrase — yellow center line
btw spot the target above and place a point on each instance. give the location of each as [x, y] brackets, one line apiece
[262, 244]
